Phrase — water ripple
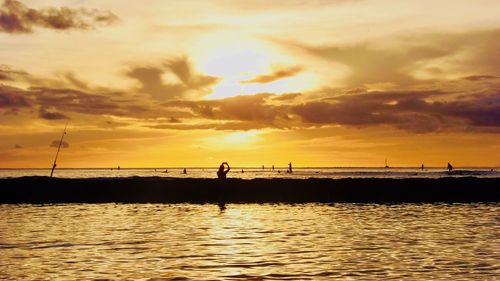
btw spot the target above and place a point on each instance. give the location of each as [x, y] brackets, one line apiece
[250, 242]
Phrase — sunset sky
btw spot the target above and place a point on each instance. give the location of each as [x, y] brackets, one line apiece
[162, 83]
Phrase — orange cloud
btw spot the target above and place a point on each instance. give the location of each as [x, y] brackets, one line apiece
[397, 60]
[15, 17]
[276, 75]
[150, 80]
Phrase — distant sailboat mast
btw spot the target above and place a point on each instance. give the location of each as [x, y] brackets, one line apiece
[58, 149]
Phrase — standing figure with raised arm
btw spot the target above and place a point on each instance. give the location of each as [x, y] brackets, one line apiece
[222, 172]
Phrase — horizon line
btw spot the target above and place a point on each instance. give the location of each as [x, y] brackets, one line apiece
[250, 167]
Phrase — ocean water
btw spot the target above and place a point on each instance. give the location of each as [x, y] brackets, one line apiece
[250, 242]
[250, 173]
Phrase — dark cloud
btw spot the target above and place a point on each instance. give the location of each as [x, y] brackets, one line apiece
[70, 77]
[417, 112]
[8, 74]
[221, 126]
[51, 115]
[150, 79]
[56, 103]
[480, 77]
[174, 120]
[481, 110]
[4, 75]
[12, 98]
[276, 75]
[410, 111]
[181, 126]
[287, 97]
[467, 107]
[71, 100]
[254, 108]
[151, 83]
[55, 143]
[183, 70]
[15, 17]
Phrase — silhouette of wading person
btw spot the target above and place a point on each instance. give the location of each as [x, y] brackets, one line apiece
[222, 172]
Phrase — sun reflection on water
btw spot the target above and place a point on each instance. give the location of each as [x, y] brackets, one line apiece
[256, 242]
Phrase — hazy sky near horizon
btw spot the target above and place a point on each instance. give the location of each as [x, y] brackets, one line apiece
[194, 83]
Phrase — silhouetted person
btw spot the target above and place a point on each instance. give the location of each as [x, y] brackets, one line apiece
[422, 167]
[262, 167]
[289, 168]
[221, 173]
[242, 171]
[119, 168]
[184, 172]
[450, 167]
[272, 168]
[222, 206]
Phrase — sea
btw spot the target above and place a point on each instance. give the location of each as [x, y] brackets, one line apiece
[256, 172]
[250, 241]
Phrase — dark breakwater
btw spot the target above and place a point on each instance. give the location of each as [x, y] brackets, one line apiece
[45, 190]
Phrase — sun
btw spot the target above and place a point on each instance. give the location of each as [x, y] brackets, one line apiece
[235, 58]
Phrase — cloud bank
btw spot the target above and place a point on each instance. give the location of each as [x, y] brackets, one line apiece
[15, 17]
[151, 81]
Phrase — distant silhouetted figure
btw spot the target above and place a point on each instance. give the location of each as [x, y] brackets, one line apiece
[450, 167]
[222, 206]
[221, 173]
[272, 168]
[422, 167]
[242, 171]
[166, 171]
[262, 167]
[184, 172]
[119, 168]
[289, 168]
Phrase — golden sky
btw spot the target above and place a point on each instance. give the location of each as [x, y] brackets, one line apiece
[193, 83]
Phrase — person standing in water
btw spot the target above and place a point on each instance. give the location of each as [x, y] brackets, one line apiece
[289, 168]
[221, 173]
[450, 167]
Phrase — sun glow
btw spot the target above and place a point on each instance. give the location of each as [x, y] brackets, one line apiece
[241, 139]
[244, 58]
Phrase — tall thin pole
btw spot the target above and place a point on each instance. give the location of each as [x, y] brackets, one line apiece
[58, 149]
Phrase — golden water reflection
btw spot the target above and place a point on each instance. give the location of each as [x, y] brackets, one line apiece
[249, 242]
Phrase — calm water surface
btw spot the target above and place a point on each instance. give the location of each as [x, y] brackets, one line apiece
[250, 242]
[251, 173]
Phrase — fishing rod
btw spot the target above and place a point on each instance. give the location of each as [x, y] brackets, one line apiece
[58, 149]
